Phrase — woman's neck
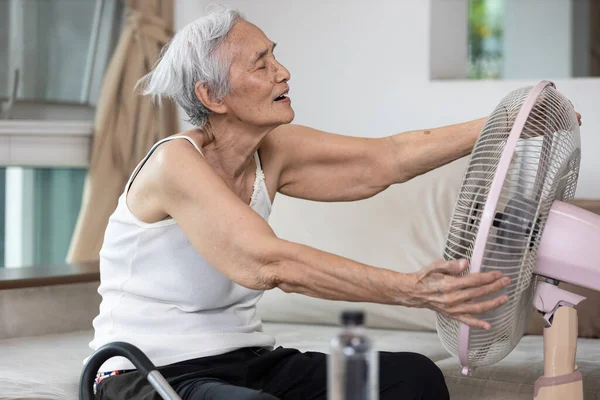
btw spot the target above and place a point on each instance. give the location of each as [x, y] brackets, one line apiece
[230, 149]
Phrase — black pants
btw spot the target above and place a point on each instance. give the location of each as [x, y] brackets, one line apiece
[284, 374]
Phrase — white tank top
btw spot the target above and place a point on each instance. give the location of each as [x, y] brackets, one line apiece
[159, 294]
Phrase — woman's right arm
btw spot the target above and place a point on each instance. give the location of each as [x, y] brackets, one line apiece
[241, 245]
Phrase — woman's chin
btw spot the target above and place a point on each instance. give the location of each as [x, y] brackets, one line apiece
[279, 118]
[290, 116]
[285, 118]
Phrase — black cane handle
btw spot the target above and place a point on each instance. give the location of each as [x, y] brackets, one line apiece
[133, 354]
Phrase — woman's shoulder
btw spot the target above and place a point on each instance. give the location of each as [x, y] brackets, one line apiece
[192, 136]
[179, 151]
[283, 140]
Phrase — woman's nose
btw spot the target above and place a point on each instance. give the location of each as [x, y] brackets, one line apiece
[283, 75]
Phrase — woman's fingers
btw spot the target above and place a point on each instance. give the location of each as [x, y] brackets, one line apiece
[464, 281]
[477, 307]
[448, 267]
[473, 322]
[453, 294]
[472, 280]
[477, 291]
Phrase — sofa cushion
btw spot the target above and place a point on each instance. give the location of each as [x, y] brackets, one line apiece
[48, 367]
[513, 377]
[318, 337]
[43, 367]
[403, 229]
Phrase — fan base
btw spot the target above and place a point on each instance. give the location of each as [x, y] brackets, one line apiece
[554, 389]
[560, 380]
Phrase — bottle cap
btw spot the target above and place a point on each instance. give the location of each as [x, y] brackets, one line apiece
[353, 317]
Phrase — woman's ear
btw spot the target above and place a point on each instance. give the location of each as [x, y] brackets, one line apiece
[203, 94]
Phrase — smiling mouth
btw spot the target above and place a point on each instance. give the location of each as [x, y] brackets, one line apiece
[282, 97]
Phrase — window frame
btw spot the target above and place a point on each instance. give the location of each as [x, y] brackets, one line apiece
[44, 143]
[40, 144]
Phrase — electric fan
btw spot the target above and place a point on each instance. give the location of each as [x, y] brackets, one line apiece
[512, 215]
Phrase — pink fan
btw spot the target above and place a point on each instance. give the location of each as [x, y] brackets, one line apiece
[511, 215]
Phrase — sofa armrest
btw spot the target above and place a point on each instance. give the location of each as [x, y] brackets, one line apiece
[48, 275]
[48, 299]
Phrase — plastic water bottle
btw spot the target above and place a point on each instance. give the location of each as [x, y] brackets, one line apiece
[352, 365]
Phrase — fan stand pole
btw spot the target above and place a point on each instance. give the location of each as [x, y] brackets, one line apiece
[561, 380]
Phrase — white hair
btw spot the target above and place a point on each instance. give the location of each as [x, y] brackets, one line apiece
[191, 57]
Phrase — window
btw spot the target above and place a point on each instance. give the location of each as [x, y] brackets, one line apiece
[41, 186]
[56, 50]
[512, 39]
[53, 57]
[485, 39]
[39, 214]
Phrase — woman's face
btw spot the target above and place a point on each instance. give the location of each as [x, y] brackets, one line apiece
[257, 80]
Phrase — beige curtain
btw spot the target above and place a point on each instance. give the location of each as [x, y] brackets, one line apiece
[126, 123]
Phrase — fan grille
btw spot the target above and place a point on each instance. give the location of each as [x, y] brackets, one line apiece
[544, 167]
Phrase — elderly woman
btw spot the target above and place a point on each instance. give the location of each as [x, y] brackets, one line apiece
[188, 251]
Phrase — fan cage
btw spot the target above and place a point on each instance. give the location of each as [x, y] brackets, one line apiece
[543, 168]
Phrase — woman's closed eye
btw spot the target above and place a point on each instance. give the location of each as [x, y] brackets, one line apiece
[261, 65]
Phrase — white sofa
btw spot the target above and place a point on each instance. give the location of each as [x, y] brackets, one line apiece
[402, 229]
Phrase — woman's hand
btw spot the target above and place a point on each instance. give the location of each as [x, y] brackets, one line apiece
[437, 287]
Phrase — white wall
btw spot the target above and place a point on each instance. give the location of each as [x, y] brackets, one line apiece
[362, 68]
[535, 45]
[448, 47]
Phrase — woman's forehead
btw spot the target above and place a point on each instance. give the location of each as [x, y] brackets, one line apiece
[245, 40]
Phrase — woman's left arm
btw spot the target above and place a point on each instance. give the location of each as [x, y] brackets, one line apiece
[322, 166]
[428, 149]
